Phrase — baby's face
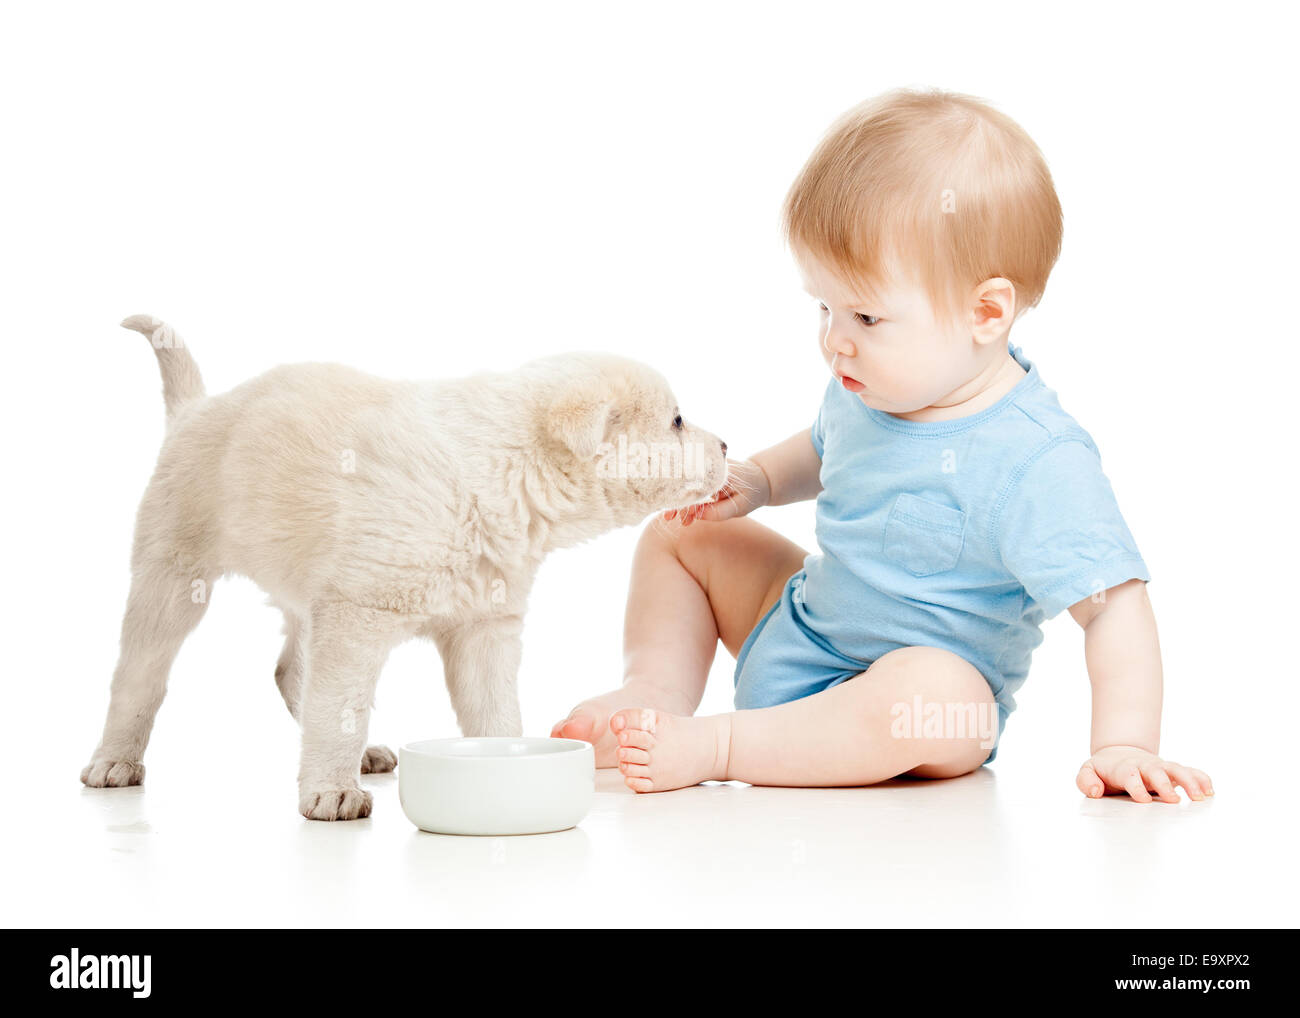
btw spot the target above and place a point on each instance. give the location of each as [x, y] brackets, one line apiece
[890, 350]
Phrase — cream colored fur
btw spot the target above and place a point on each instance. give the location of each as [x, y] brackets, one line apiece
[372, 511]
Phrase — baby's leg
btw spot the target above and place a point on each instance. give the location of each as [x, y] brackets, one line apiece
[850, 734]
[690, 587]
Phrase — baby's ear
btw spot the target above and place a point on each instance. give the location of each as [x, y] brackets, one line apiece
[579, 422]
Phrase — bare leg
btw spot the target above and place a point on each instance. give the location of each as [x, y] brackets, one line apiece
[346, 650]
[161, 610]
[690, 587]
[857, 733]
[289, 673]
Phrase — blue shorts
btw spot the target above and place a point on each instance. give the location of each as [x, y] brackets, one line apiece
[783, 660]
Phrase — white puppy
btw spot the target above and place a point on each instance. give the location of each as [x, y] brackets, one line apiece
[373, 511]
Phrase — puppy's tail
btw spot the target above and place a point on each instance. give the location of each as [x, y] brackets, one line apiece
[182, 383]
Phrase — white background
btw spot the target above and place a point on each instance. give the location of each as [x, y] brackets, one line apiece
[425, 190]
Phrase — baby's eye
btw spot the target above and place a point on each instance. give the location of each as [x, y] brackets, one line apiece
[823, 309]
[677, 423]
[868, 320]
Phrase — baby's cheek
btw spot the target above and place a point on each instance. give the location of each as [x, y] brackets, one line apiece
[878, 375]
[909, 382]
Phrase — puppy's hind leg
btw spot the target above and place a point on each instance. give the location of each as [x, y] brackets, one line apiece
[163, 607]
[290, 668]
[289, 673]
[378, 760]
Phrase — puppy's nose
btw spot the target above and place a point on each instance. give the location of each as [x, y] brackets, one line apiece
[724, 447]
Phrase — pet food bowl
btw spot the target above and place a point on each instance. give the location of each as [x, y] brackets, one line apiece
[497, 785]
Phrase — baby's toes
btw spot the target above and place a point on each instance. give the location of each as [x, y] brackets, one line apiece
[635, 738]
[632, 719]
[638, 783]
[577, 726]
[630, 755]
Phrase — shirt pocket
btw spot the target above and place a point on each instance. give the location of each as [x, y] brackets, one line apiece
[924, 537]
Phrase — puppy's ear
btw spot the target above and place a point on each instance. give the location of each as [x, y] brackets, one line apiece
[580, 423]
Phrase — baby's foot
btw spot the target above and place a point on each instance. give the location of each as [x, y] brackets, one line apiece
[589, 721]
[659, 751]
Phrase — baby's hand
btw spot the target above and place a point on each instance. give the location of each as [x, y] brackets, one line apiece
[1114, 770]
[745, 490]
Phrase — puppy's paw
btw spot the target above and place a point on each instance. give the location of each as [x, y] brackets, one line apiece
[112, 773]
[334, 803]
[378, 760]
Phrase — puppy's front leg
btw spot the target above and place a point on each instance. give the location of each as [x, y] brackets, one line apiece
[347, 648]
[480, 660]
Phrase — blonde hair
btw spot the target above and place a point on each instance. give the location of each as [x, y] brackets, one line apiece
[935, 184]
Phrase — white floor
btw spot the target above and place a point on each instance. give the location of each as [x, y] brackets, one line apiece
[213, 837]
[988, 849]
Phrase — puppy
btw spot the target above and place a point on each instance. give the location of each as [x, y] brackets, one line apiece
[373, 511]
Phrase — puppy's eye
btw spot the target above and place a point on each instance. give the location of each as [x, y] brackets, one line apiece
[868, 320]
[677, 423]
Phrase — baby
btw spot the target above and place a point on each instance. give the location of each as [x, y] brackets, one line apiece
[958, 505]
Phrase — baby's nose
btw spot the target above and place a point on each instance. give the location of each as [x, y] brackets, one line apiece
[838, 345]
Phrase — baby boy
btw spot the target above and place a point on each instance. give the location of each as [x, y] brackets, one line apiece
[958, 505]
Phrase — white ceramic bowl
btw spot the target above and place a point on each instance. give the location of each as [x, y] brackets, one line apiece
[496, 785]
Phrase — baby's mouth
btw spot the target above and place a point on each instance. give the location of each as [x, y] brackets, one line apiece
[848, 381]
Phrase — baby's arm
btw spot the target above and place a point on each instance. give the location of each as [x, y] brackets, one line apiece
[789, 471]
[1123, 656]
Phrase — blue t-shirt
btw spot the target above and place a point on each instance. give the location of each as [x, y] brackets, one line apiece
[963, 534]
